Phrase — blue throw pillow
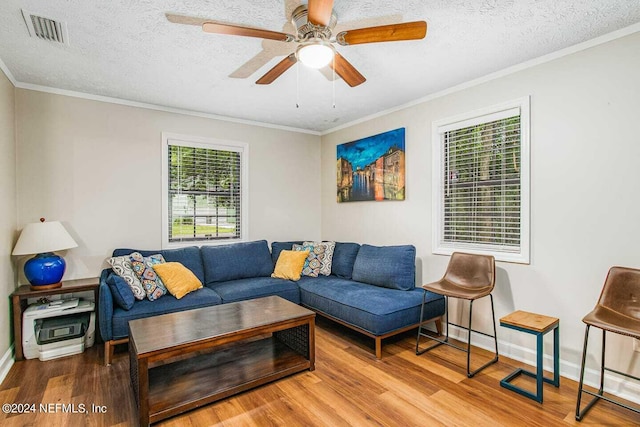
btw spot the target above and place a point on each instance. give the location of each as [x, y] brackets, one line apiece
[344, 255]
[387, 266]
[122, 294]
[236, 261]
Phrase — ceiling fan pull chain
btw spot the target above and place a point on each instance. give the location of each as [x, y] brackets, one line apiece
[297, 85]
[333, 81]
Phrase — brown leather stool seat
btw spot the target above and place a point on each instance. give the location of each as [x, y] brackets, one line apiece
[469, 277]
[617, 311]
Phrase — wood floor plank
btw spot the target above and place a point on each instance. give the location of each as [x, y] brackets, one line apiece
[462, 411]
[411, 415]
[349, 387]
[315, 410]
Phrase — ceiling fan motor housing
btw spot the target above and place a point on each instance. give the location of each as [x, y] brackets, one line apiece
[307, 30]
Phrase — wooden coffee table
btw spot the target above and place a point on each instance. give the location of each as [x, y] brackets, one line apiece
[184, 360]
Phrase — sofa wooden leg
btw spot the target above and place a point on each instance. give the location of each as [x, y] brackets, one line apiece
[108, 353]
[378, 348]
[438, 322]
[109, 347]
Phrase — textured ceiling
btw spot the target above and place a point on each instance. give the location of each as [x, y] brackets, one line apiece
[127, 49]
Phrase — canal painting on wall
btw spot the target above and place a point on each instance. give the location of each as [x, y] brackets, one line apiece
[372, 168]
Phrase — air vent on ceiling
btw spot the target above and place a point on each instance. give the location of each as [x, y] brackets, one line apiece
[46, 28]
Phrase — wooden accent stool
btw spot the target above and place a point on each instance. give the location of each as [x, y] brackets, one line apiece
[537, 325]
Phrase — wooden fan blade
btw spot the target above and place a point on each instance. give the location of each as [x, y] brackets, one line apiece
[320, 11]
[385, 33]
[347, 71]
[187, 20]
[277, 71]
[237, 30]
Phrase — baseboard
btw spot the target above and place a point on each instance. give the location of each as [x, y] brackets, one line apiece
[615, 384]
[6, 363]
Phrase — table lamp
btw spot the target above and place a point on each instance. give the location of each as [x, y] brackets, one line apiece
[45, 270]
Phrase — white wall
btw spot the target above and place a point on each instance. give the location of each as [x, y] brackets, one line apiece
[96, 167]
[8, 213]
[585, 190]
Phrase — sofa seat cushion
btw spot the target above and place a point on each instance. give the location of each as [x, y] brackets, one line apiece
[167, 304]
[256, 287]
[375, 309]
[189, 257]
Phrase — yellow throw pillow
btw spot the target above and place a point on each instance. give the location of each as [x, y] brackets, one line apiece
[289, 265]
[178, 279]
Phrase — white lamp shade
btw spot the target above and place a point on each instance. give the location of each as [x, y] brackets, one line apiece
[41, 237]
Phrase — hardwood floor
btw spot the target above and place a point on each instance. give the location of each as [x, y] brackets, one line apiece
[348, 388]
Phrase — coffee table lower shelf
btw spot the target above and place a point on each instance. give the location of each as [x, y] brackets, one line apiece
[188, 384]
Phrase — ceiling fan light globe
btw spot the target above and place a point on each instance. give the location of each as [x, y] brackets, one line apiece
[315, 55]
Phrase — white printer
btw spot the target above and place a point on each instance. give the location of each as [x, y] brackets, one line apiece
[58, 328]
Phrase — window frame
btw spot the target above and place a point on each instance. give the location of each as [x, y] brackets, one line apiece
[483, 115]
[169, 138]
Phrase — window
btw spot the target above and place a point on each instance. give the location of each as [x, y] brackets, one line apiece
[204, 190]
[481, 182]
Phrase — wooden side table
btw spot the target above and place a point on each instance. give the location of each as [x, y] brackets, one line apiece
[537, 325]
[20, 296]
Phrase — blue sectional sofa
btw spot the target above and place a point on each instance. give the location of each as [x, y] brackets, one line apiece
[371, 289]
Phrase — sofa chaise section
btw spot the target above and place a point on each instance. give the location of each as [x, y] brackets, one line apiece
[376, 312]
[371, 290]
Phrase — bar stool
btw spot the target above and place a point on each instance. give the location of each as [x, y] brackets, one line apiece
[469, 277]
[617, 311]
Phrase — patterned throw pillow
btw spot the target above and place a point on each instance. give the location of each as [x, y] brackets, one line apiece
[313, 263]
[143, 267]
[325, 262]
[121, 265]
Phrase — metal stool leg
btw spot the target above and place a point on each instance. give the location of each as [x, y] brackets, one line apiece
[598, 395]
[438, 342]
[584, 358]
[424, 296]
[495, 339]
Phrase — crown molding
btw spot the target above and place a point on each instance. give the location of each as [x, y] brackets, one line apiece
[119, 101]
[623, 32]
[7, 73]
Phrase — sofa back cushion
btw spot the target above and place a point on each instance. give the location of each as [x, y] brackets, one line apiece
[387, 266]
[236, 261]
[344, 256]
[277, 247]
[189, 257]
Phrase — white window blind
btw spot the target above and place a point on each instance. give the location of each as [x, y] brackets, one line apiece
[204, 192]
[481, 207]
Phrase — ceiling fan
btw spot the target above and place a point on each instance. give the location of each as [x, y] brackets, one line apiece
[314, 24]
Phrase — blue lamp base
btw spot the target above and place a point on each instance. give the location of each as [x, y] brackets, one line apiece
[45, 271]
